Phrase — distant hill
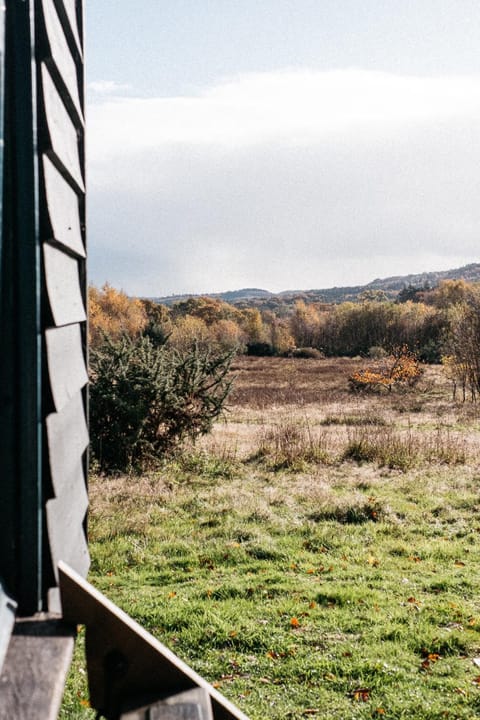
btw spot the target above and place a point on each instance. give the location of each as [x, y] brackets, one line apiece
[230, 296]
[391, 286]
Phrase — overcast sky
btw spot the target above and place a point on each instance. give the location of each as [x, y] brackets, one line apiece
[280, 144]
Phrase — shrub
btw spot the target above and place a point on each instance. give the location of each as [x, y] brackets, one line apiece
[401, 368]
[145, 400]
[259, 349]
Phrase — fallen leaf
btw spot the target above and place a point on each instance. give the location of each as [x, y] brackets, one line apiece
[294, 622]
[361, 694]
[459, 563]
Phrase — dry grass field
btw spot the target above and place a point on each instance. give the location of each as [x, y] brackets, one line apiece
[302, 403]
[317, 554]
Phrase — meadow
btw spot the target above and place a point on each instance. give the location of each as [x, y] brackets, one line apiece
[316, 555]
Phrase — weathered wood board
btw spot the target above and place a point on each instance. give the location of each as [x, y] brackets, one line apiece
[63, 150]
[66, 363]
[63, 210]
[63, 287]
[33, 676]
[67, 440]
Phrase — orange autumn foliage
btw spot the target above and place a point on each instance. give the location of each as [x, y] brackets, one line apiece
[113, 314]
[400, 368]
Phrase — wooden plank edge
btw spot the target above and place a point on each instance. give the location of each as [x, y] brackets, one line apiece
[35, 670]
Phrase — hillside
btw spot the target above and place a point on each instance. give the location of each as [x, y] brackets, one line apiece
[391, 286]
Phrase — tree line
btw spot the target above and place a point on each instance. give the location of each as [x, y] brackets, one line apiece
[431, 322]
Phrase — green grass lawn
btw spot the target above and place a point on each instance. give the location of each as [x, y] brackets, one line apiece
[319, 557]
[342, 593]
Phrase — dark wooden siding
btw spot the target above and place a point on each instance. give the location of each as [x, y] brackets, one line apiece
[62, 221]
[43, 364]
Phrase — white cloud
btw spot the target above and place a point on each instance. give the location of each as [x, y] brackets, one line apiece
[106, 87]
[288, 179]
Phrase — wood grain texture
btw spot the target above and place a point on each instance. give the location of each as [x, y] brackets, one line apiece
[67, 439]
[35, 669]
[62, 131]
[61, 59]
[63, 209]
[63, 286]
[66, 363]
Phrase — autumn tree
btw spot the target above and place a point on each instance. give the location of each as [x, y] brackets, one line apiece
[304, 325]
[463, 341]
[112, 313]
[189, 331]
[400, 369]
[449, 293]
[278, 334]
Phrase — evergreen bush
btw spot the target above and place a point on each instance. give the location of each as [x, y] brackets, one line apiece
[145, 400]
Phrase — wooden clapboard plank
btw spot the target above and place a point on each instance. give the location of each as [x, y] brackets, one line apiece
[61, 58]
[68, 543]
[63, 286]
[66, 363]
[35, 670]
[72, 480]
[63, 209]
[67, 439]
[63, 134]
[68, 8]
